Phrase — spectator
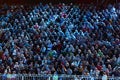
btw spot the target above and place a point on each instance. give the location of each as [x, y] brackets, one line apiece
[104, 77]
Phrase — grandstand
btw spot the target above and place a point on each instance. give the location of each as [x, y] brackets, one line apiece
[59, 40]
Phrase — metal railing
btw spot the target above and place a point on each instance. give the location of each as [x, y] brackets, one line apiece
[51, 77]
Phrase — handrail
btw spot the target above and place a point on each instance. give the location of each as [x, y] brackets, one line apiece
[51, 77]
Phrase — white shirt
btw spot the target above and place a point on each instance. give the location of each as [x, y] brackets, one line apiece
[14, 76]
[104, 77]
[118, 60]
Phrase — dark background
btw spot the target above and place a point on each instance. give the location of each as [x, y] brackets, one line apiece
[97, 2]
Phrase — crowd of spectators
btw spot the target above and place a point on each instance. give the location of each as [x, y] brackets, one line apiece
[60, 39]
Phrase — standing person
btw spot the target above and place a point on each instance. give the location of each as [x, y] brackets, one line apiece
[4, 76]
[14, 75]
[9, 75]
[55, 77]
[104, 77]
